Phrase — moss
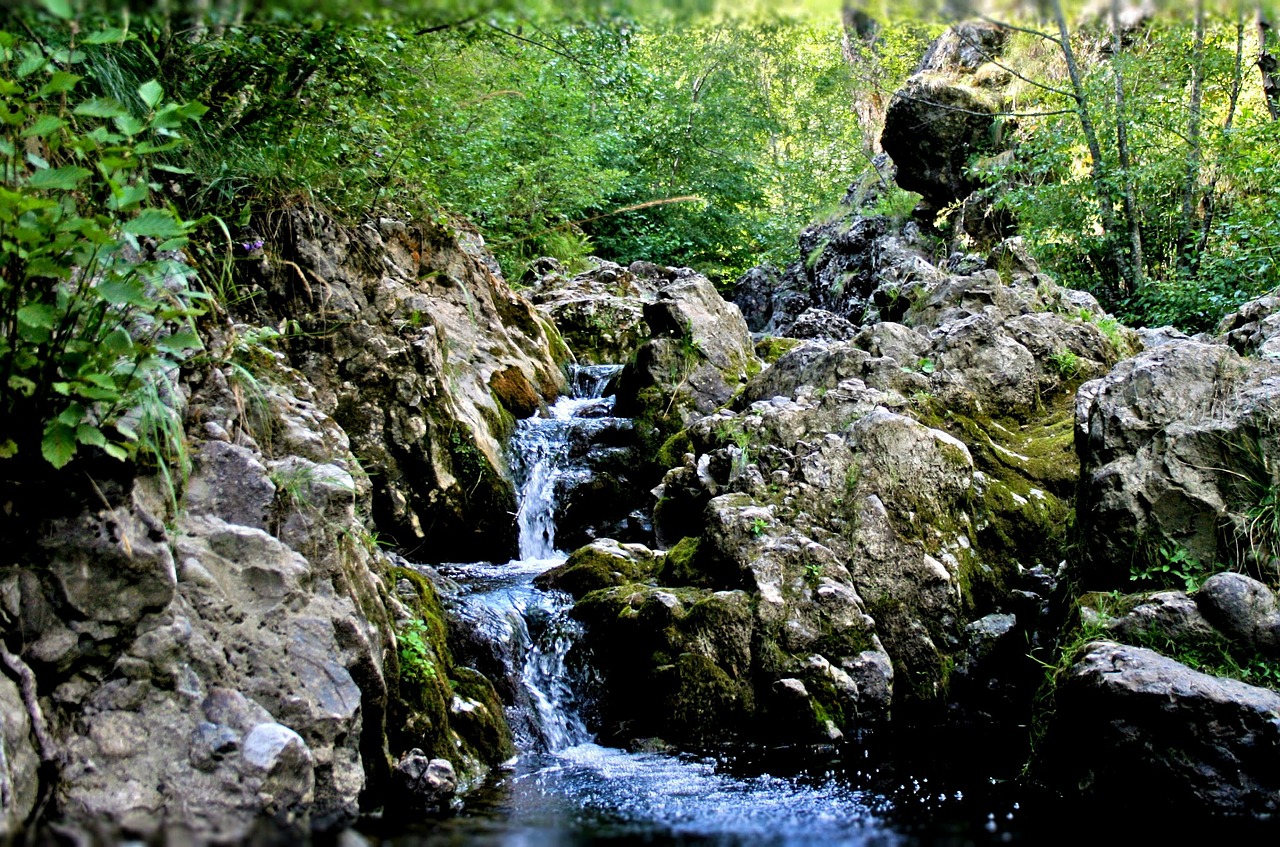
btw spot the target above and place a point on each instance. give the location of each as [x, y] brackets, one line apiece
[679, 565]
[700, 703]
[771, 349]
[590, 569]
[671, 453]
[481, 721]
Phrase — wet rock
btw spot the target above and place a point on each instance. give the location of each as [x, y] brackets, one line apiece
[1130, 720]
[601, 564]
[420, 785]
[1244, 609]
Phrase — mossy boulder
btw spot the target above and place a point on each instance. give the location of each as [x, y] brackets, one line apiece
[601, 564]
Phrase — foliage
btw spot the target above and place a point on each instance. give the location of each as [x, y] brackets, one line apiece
[95, 307]
[416, 656]
[1172, 566]
[1204, 200]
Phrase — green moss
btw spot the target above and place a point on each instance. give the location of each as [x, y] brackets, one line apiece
[771, 349]
[481, 721]
[700, 702]
[671, 453]
[679, 566]
[590, 569]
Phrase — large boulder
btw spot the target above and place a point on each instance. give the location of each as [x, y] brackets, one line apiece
[946, 114]
[419, 349]
[1176, 448]
[1130, 722]
[19, 762]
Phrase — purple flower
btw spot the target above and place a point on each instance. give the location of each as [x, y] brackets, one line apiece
[250, 246]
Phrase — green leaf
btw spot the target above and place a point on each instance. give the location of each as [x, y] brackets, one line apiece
[58, 444]
[129, 125]
[183, 339]
[111, 35]
[8, 448]
[102, 107]
[156, 223]
[123, 291]
[150, 92]
[129, 197]
[65, 178]
[91, 435]
[59, 82]
[193, 111]
[44, 126]
[115, 451]
[58, 8]
[41, 315]
[117, 343]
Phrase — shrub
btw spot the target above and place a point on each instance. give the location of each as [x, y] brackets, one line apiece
[95, 309]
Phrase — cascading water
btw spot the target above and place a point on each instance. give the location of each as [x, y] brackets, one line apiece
[564, 788]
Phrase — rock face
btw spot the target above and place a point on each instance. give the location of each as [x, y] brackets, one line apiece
[253, 654]
[1130, 721]
[869, 522]
[599, 313]
[423, 354]
[1176, 448]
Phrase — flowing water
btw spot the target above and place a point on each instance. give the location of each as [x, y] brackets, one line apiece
[566, 789]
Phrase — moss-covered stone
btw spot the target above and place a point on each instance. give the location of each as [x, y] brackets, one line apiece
[679, 566]
[771, 348]
[601, 564]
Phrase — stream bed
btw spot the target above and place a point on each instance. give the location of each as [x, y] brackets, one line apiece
[951, 787]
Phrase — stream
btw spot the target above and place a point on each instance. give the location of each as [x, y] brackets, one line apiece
[565, 789]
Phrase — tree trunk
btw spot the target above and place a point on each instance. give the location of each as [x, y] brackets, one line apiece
[1133, 271]
[1268, 65]
[1106, 210]
[1194, 112]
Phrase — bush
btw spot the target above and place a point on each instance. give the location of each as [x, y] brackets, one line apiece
[95, 306]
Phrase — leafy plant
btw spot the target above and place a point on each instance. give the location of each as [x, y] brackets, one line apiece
[758, 527]
[1065, 363]
[416, 656]
[1172, 565]
[95, 306]
[926, 366]
[813, 572]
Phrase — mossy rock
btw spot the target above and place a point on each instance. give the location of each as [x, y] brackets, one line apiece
[700, 703]
[771, 349]
[679, 566]
[480, 718]
[602, 564]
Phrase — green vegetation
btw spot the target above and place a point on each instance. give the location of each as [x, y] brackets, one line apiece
[95, 307]
[1170, 218]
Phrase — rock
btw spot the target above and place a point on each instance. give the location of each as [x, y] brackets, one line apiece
[600, 312]
[1129, 720]
[230, 482]
[420, 785]
[932, 128]
[19, 762]
[278, 763]
[1254, 328]
[1243, 609]
[1170, 615]
[753, 295]
[1175, 450]
[821, 324]
[422, 353]
[601, 564]
[697, 359]
[964, 47]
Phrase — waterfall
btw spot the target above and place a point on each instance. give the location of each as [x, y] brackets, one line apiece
[533, 628]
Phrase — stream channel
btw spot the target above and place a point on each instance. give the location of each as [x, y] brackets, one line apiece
[565, 789]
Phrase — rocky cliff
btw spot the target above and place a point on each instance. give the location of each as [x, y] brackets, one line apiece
[221, 640]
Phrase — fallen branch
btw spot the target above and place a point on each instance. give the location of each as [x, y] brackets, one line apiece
[27, 686]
